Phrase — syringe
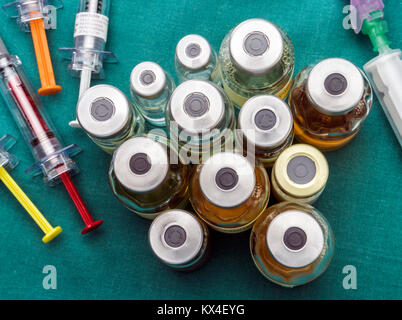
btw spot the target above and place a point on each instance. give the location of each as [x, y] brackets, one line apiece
[384, 71]
[53, 161]
[9, 162]
[30, 16]
[90, 34]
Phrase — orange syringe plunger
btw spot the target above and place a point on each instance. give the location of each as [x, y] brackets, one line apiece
[30, 17]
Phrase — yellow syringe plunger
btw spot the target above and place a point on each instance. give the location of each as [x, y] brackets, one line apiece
[8, 162]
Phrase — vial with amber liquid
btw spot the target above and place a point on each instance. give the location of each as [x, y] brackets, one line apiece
[180, 240]
[108, 117]
[256, 57]
[330, 102]
[229, 192]
[201, 119]
[195, 59]
[292, 244]
[265, 127]
[148, 177]
[299, 174]
[151, 88]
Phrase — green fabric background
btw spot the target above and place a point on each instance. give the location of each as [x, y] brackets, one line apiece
[362, 200]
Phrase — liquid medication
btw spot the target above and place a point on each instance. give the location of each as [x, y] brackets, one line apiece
[256, 57]
[265, 125]
[148, 177]
[299, 174]
[292, 244]
[229, 192]
[330, 102]
[200, 117]
[195, 59]
[151, 88]
[180, 240]
[108, 117]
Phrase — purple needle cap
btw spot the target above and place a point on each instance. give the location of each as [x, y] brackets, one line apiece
[363, 9]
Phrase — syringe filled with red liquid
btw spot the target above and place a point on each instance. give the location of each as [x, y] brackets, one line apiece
[53, 160]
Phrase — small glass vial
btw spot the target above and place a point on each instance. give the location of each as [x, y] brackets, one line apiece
[201, 119]
[151, 88]
[330, 102]
[180, 240]
[256, 58]
[299, 174]
[292, 244]
[265, 123]
[195, 59]
[108, 117]
[147, 176]
[229, 192]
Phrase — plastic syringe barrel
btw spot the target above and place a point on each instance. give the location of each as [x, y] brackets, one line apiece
[385, 73]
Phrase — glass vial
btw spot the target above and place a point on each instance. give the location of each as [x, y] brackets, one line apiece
[151, 88]
[195, 59]
[265, 124]
[200, 119]
[330, 102]
[292, 244]
[147, 177]
[229, 192]
[299, 174]
[256, 57]
[108, 117]
[180, 240]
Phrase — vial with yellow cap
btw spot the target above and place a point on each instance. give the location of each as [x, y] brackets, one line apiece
[299, 174]
[330, 101]
[195, 59]
[229, 192]
[108, 117]
[201, 119]
[148, 177]
[265, 125]
[256, 57]
[151, 88]
[292, 244]
[180, 240]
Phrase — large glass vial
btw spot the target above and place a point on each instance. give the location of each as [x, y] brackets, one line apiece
[229, 192]
[299, 174]
[108, 117]
[292, 244]
[151, 88]
[147, 176]
[200, 119]
[195, 59]
[265, 127]
[256, 58]
[179, 239]
[330, 102]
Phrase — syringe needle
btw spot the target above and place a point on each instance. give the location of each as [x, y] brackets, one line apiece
[85, 83]
[40, 220]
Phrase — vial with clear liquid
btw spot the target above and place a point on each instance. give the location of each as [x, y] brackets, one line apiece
[108, 117]
[292, 244]
[256, 57]
[330, 101]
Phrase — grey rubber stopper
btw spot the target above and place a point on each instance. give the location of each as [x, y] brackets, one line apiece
[265, 119]
[335, 84]
[102, 109]
[196, 105]
[301, 169]
[256, 44]
[226, 178]
[193, 50]
[147, 77]
[175, 236]
[294, 238]
[140, 164]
